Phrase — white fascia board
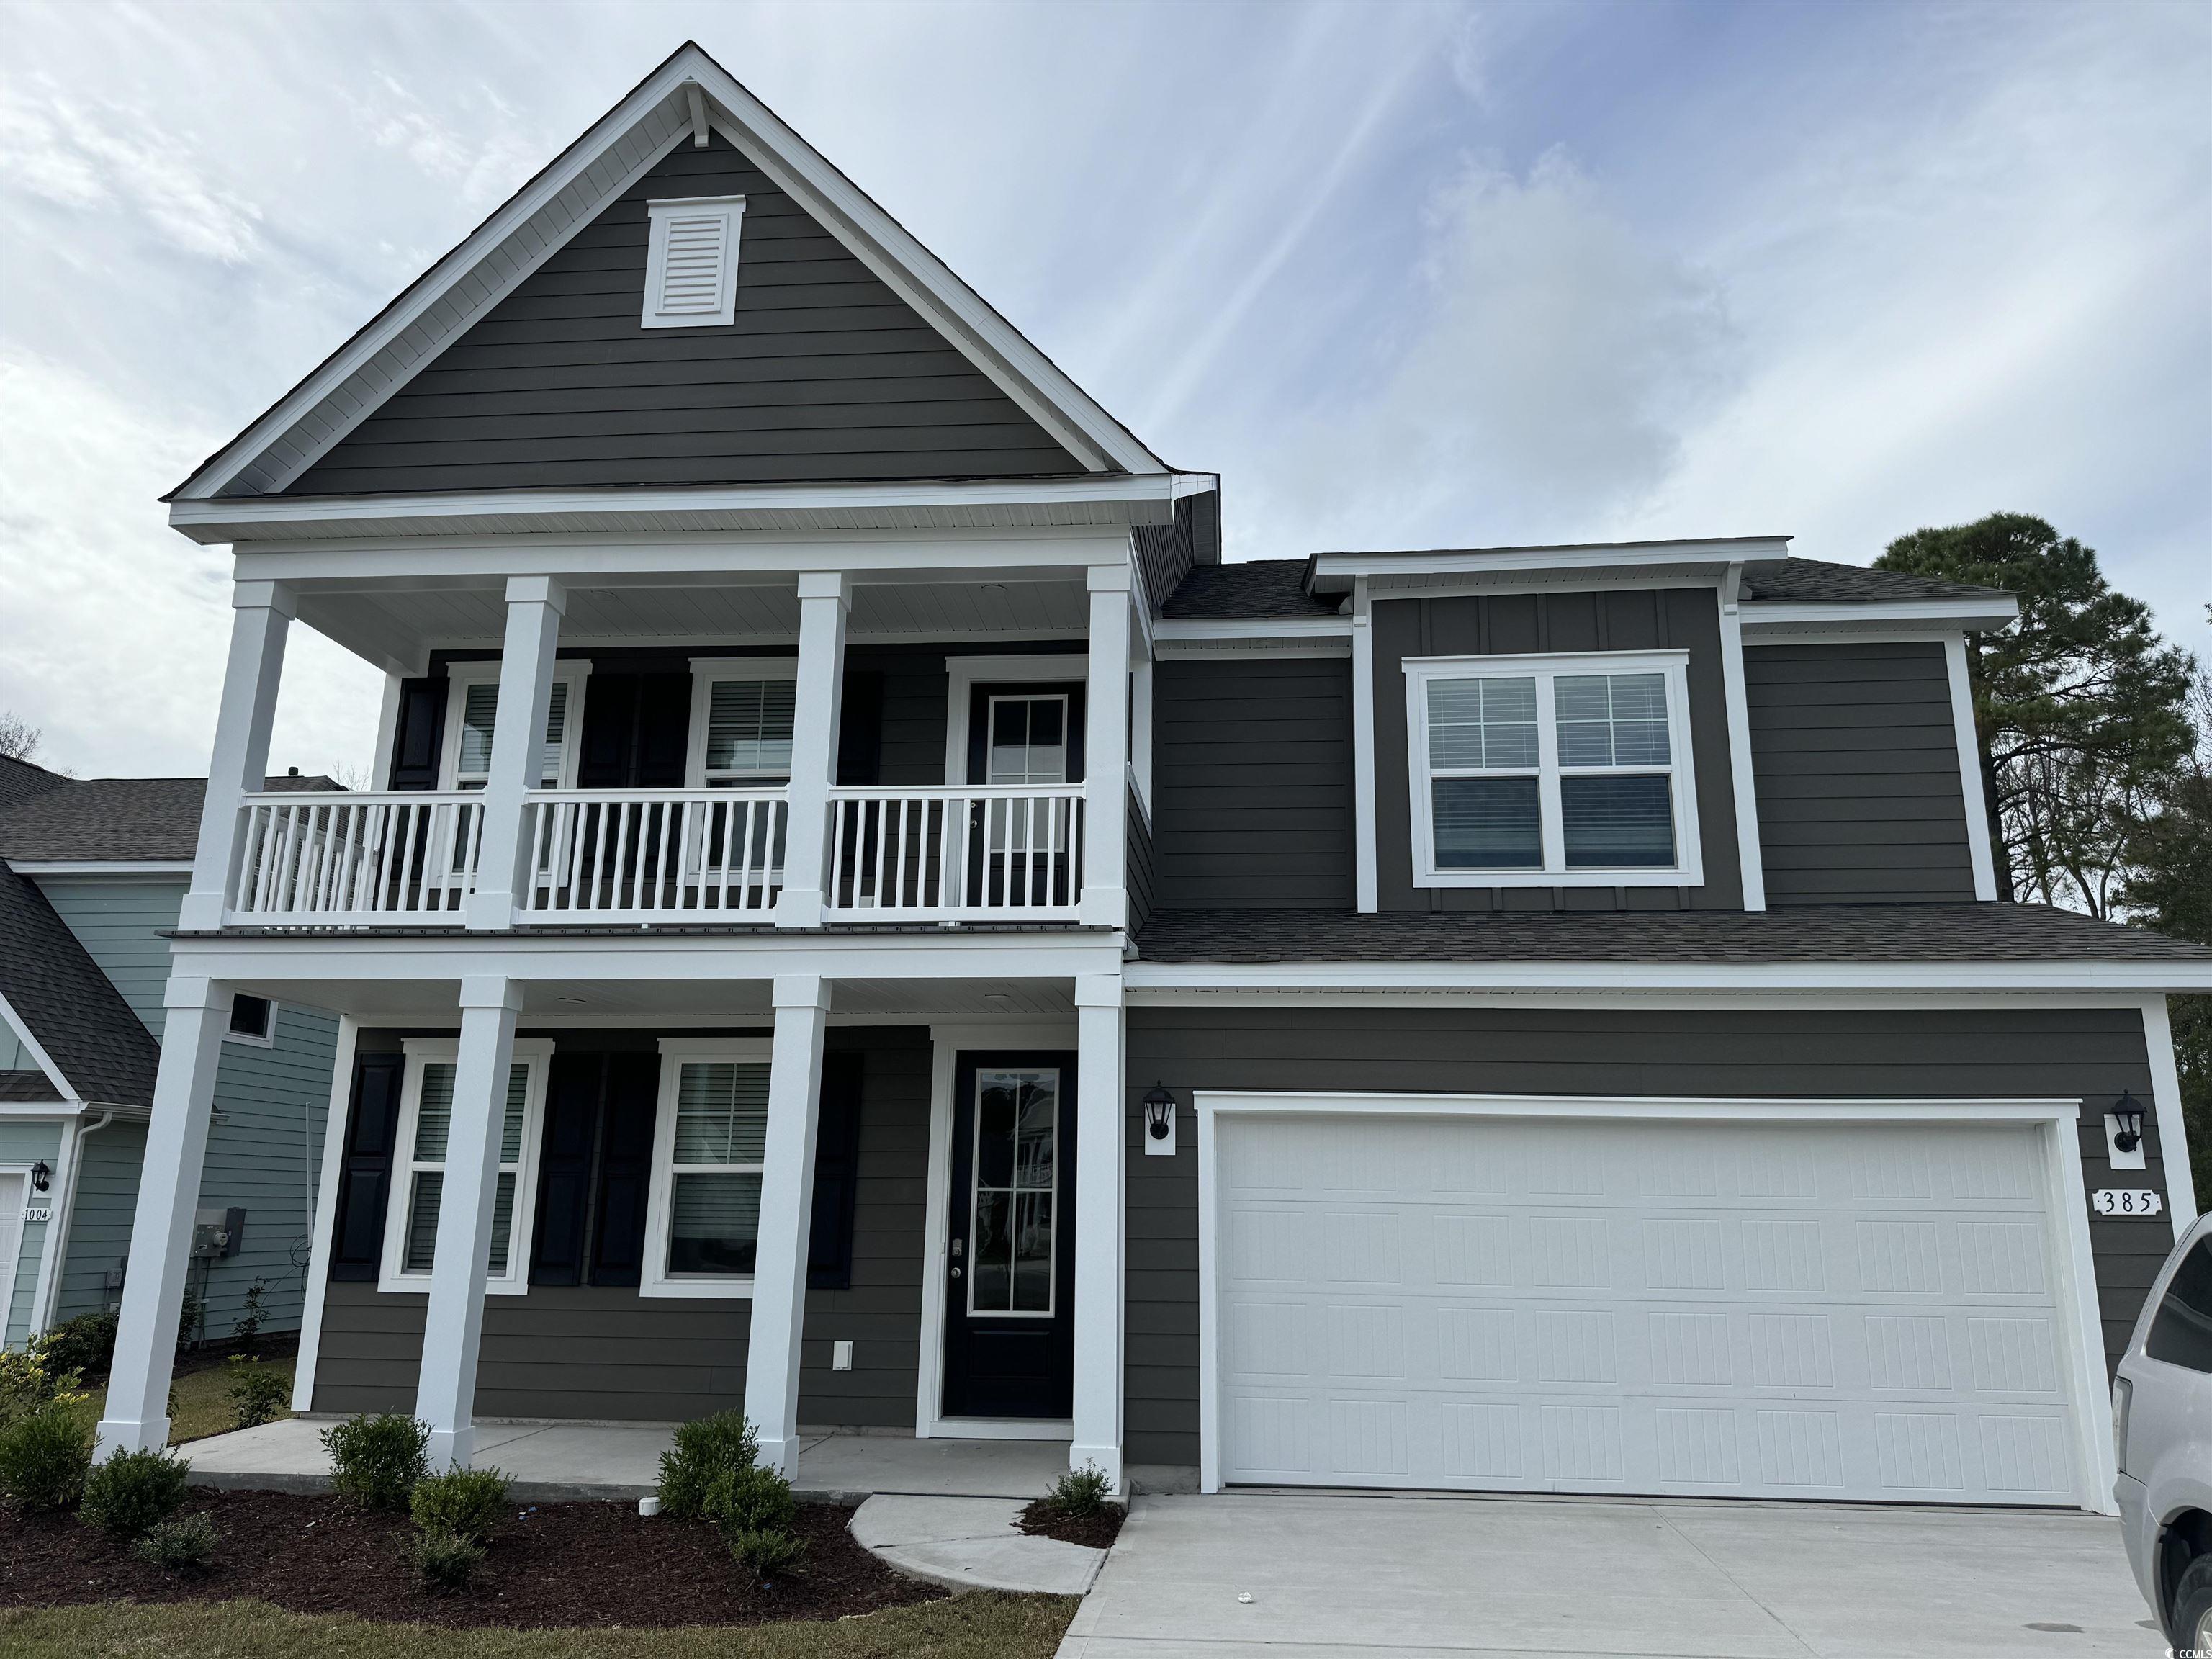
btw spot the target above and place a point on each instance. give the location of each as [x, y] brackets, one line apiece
[1198, 978]
[1114, 499]
[1845, 615]
[1207, 631]
[46, 868]
[1334, 572]
[29, 1039]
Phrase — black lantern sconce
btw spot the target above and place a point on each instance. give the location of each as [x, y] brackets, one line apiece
[42, 1177]
[2127, 1124]
[1159, 1122]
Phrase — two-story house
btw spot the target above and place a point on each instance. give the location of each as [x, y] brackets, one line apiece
[92, 874]
[862, 916]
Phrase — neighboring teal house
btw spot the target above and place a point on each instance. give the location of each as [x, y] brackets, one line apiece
[91, 875]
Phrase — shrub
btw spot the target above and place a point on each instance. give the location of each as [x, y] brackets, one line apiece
[44, 1455]
[132, 1491]
[375, 1461]
[30, 1380]
[750, 1500]
[184, 1545]
[443, 1560]
[769, 1552]
[1081, 1492]
[467, 1503]
[247, 1327]
[192, 1313]
[85, 1345]
[258, 1392]
[712, 1447]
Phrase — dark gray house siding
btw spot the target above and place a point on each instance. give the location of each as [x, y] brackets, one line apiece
[1668, 618]
[1138, 879]
[596, 1352]
[2094, 1054]
[1252, 782]
[1856, 764]
[826, 374]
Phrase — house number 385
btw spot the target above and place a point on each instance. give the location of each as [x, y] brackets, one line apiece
[2125, 1201]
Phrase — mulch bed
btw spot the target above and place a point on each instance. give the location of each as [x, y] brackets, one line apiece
[1042, 1520]
[554, 1565]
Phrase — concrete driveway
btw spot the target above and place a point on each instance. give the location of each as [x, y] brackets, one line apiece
[1431, 1576]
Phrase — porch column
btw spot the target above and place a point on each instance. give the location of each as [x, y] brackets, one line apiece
[534, 605]
[197, 1011]
[446, 1387]
[1100, 1112]
[824, 599]
[787, 1218]
[261, 616]
[1106, 751]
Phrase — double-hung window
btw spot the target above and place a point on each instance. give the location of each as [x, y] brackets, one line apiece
[1552, 771]
[710, 1135]
[471, 706]
[420, 1150]
[741, 720]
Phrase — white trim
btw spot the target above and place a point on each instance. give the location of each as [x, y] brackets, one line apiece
[267, 1039]
[1968, 739]
[705, 673]
[1333, 572]
[1848, 615]
[1680, 769]
[1056, 1031]
[963, 674]
[179, 868]
[661, 214]
[653, 1277]
[2172, 1127]
[1364, 842]
[2060, 1140]
[1750, 858]
[49, 1292]
[337, 1125]
[536, 1054]
[61, 1177]
[38, 1050]
[11, 1257]
[1934, 633]
[1656, 976]
[572, 672]
[380, 758]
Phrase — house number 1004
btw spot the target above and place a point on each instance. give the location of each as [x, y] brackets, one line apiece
[2122, 1201]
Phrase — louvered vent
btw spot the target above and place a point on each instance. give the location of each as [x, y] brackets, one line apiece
[691, 269]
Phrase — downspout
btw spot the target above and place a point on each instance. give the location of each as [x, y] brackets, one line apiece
[48, 1291]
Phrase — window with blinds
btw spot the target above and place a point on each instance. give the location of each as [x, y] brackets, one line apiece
[480, 709]
[691, 262]
[425, 1138]
[748, 729]
[711, 1169]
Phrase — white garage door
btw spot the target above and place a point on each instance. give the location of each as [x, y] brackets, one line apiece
[1865, 1311]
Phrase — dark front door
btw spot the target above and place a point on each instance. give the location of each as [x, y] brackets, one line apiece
[1010, 1265]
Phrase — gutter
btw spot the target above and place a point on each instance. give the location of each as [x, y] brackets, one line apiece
[47, 1292]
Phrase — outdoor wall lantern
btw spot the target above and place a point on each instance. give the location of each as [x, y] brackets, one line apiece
[2127, 1119]
[1159, 1122]
[42, 1177]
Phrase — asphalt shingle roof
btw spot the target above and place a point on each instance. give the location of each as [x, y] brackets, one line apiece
[1818, 580]
[149, 819]
[74, 1011]
[19, 781]
[1257, 587]
[1795, 933]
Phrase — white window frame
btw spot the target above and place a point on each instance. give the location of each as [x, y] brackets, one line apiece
[963, 674]
[705, 673]
[537, 1053]
[659, 213]
[573, 674]
[266, 1040]
[654, 1279]
[1688, 868]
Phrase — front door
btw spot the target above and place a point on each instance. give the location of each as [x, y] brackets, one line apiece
[1010, 1262]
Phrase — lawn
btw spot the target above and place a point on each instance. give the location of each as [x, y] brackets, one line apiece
[974, 1626]
[201, 1397]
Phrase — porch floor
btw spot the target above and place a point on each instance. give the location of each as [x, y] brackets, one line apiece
[551, 1462]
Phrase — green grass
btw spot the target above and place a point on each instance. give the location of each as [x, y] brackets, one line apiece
[973, 1626]
[202, 1398]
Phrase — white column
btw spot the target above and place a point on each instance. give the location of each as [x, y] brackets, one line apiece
[1363, 748]
[1106, 751]
[1100, 1111]
[787, 1218]
[2166, 1108]
[534, 604]
[196, 1012]
[824, 599]
[1140, 727]
[1749, 858]
[1980, 854]
[261, 616]
[452, 1328]
[323, 1202]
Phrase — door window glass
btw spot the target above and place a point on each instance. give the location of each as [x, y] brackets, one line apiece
[1027, 739]
[1017, 1148]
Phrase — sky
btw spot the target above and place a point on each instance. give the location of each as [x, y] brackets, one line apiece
[1405, 276]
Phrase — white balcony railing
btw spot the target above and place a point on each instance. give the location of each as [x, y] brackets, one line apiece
[654, 854]
[326, 860]
[957, 853]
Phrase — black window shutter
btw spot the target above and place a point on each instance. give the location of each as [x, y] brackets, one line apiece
[633, 1091]
[564, 1181]
[419, 734]
[664, 729]
[610, 722]
[861, 729]
[365, 1182]
[836, 1171]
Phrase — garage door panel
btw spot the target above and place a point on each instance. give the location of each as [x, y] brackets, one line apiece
[1815, 1330]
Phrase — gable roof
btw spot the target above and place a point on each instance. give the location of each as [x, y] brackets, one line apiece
[134, 820]
[19, 781]
[67, 1006]
[679, 103]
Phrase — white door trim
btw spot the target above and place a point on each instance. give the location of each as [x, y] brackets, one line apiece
[1015, 1031]
[963, 674]
[12, 1227]
[2058, 1120]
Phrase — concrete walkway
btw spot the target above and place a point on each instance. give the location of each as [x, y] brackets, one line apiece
[550, 1463]
[972, 1543]
[1425, 1577]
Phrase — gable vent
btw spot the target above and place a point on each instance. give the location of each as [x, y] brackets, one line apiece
[691, 266]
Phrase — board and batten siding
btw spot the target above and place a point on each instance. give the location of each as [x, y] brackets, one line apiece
[23, 1141]
[607, 1353]
[2094, 1054]
[1499, 624]
[1252, 782]
[1856, 764]
[826, 374]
